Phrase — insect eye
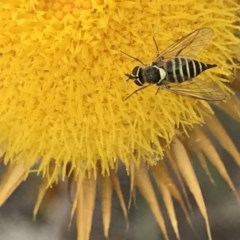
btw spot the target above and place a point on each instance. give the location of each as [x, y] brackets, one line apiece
[136, 70]
[138, 82]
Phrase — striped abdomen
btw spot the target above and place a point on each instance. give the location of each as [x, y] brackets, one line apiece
[182, 69]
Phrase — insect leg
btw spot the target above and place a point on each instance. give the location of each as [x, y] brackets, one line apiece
[162, 86]
[157, 90]
[137, 90]
[158, 53]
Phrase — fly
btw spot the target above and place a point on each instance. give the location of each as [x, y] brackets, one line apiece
[175, 65]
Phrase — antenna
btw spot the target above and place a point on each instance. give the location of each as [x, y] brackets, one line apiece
[136, 59]
[155, 43]
[130, 76]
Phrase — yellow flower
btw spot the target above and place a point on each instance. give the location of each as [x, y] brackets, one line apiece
[62, 86]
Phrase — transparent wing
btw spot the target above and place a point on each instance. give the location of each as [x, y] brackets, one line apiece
[188, 46]
[202, 90]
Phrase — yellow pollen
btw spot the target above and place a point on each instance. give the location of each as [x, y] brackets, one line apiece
[59, 8]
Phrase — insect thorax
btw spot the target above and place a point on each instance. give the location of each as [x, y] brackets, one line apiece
[153, 74]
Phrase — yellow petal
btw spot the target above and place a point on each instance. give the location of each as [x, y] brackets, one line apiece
[201, 158]
[168, 204]
[206, 146]
[106, 198]
[132, 185]
[85, 207]
[231, 107]
[117, 189]
[170, 208]
[221, 135]
[186, 169]
[13, 176]
[174, 166]
[41, 193]
[144, 185]
[162, 177]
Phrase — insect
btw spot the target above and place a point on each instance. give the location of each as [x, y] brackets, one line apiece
[173, 69]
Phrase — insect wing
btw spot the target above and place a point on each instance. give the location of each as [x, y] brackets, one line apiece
[188, 46]
[203, 90]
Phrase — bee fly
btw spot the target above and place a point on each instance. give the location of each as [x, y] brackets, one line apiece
[176, 65]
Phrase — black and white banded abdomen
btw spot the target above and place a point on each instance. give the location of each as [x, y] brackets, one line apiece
[182, 69]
